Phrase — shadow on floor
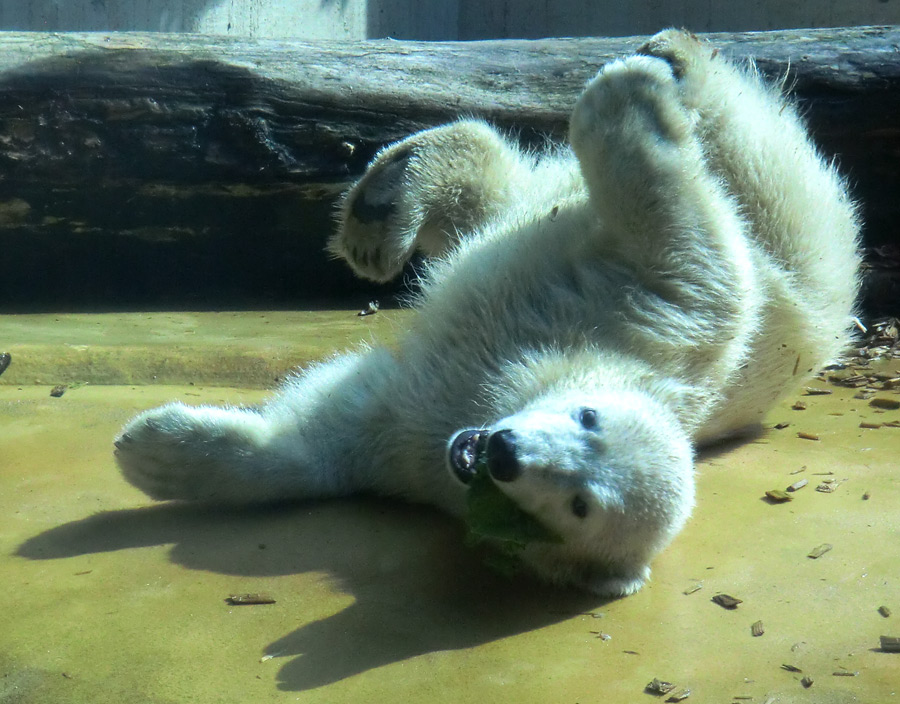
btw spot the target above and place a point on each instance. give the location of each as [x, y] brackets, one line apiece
[417, 589]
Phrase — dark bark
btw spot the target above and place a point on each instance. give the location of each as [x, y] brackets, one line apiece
[136, 168]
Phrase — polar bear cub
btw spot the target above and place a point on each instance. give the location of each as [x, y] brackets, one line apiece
[588, 317]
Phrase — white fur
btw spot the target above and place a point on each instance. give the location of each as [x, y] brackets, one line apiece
[687, 264]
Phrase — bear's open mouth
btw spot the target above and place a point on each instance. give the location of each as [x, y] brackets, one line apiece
[466, 450]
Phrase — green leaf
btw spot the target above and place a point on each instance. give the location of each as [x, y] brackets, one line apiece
[492, 515]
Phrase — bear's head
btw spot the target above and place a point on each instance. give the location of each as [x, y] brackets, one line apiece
[610, 473]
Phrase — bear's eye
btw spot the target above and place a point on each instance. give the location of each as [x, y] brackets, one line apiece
[579, 507]
[588, 418]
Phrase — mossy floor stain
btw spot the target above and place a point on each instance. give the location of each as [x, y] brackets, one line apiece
[111, 598]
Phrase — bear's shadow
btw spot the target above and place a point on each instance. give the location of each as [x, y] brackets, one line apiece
[417, 589]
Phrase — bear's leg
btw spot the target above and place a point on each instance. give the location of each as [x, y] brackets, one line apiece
[665, 217]
[797, 205]
[318, 438]
[425, 193]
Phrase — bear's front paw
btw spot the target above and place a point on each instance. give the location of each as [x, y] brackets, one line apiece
[177, 452]
[616, 586]
[374, 237]
[682, 50]
[629, 100]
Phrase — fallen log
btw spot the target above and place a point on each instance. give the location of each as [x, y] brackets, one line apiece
[193, 170]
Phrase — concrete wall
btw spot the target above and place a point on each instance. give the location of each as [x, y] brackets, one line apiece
[437, 19]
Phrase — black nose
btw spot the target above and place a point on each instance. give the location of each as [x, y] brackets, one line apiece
[501, 456]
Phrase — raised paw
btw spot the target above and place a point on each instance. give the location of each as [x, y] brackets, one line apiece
[628, 102]
[681, 49]
[424, 194]
[376, 237]
[179, 452]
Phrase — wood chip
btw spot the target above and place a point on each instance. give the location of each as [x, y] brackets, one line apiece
[796, 486]
[807, 681]
[658, 686]
[887, 404]
[890, 644]
[812, 391]
[370, 309]
[781, 426]
[791, 668]
[757, 629]
[799, 406]
[58, 390]
[726, 601]
[249, 599]
[807, 436]
[778, 496]
[694, 588]
[854, 382]
[680, 695]
[827, 487]
[884, 611]
[819, 550]
[870, 426]
[845, 673]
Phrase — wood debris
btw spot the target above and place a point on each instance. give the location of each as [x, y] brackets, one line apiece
[248, 599]
[781, 426]
[58, 390]
[778, 496]
[870, 426]
[757, 629]
[791, 668]
[726, 601]
[845, 673]
[884, 611]
[882, 340]
[854, 382]
[885, 403]
[658, 686]
[812, 391]
[819, 550]
[828, 486]
[890, 644]
[370, 309]
[799, 406]
[866, 495]
[807, 436]
[693, 588]
[679, 696]
[807, 681]
[796, 486]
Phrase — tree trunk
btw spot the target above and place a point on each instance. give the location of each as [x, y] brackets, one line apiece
[143, 167]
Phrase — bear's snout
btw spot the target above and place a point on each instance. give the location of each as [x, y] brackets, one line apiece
[501, 456]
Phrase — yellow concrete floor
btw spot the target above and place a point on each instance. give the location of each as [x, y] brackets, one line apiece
[110, 598]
